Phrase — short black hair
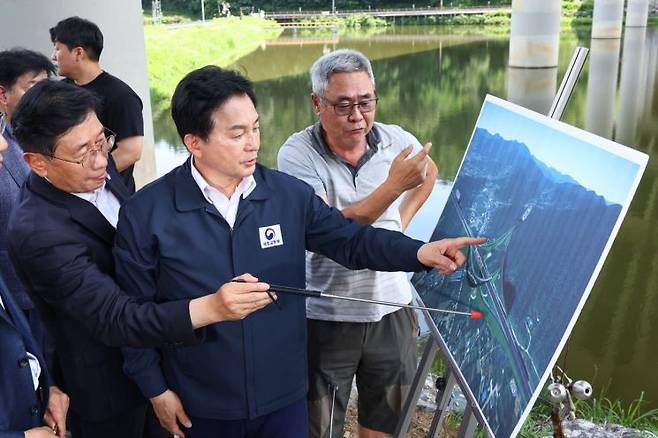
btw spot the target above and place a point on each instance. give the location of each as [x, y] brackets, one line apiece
[200, 93]
[48, 111]
[78, 32]
[16, 62]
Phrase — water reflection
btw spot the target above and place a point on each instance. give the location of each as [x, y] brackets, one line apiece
[602, 86]
[432, 81]
[632, 78]
[532, 88]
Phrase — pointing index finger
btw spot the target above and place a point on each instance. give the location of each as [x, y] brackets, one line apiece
[461, 242]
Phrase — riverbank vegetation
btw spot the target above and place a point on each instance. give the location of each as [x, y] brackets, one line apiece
[600, 411]
[172, 52]
[355, 21]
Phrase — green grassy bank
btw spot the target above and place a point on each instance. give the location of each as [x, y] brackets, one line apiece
[172, 52]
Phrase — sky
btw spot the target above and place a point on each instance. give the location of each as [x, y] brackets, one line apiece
[594, 166]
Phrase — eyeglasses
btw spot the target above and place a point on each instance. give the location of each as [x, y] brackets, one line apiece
[3, 124]
[346, 108]
[103, 146]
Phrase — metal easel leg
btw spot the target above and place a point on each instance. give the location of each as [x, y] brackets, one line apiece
[469, 423]
[442, 400]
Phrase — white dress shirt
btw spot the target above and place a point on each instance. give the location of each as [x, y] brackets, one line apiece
[227, 207]
[35, 367]
[105, 201]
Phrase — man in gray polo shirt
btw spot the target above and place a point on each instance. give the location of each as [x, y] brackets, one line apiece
[376, 174]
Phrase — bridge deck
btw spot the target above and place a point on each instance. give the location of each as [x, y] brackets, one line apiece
[384, 13]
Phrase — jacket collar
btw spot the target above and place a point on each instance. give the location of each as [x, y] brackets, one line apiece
[188, 195]
[6, 304]
[13, 162]
[115, 183]
[80, 210]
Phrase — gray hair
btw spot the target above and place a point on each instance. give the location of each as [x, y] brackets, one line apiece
[340, 61]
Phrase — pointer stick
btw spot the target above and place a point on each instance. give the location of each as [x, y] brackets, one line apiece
[473, 314]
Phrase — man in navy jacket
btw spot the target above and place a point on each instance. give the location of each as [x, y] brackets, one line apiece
[220, 215]
[20, 69]
[60, 240]
[21, 405]
[24, 382]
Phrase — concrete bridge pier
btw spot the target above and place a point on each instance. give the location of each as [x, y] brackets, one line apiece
[535, 33]
[25, 23]
[637, 13]
[602, 86]
[607, 18]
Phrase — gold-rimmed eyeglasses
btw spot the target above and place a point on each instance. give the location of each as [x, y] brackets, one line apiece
[345, 108]
[102, 146]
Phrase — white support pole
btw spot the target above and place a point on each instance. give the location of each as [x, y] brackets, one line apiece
[124, 52]
[607, 18]
[637, 13]
[535, 33]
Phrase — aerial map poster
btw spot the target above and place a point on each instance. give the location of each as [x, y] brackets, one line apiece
[550, 198]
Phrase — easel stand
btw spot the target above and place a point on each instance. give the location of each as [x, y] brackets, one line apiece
[453, 377]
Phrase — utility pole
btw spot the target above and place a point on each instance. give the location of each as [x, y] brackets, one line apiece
[203, 11]
[333, 6]
[157, 11]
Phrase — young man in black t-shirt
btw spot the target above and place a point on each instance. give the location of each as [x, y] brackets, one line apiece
[78, 46]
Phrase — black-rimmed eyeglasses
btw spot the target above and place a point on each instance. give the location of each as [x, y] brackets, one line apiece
[345, 108]
[102, 146]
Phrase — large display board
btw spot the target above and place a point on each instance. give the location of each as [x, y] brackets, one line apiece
[550, 198]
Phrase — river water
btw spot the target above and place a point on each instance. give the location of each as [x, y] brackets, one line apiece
[432, 81]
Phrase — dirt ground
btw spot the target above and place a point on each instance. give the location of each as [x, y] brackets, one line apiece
[420, 424]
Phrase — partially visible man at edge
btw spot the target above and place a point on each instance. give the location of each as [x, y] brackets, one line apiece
[60, 241]
[78, 44]
[28, 397]
[20, 69]
[221, 214]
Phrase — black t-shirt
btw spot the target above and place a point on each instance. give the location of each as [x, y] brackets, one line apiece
[121, 111]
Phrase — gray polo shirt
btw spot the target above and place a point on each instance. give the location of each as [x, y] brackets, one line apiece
[306, 156]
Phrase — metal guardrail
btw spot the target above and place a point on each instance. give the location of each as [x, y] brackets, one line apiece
[377, 11]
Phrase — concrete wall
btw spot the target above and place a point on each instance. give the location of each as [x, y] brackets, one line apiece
[25, 23]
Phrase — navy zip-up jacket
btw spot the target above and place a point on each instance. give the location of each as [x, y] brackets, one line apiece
[171, 243]
[20, 406]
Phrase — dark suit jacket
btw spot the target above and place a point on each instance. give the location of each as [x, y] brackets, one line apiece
[61, 246]
[20, 408]
[13, 174]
